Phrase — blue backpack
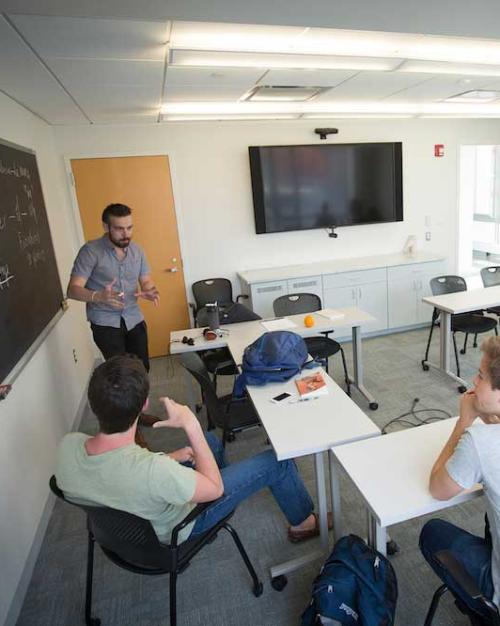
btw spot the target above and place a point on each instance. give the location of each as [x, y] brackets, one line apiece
[274, 357]
[356, 586]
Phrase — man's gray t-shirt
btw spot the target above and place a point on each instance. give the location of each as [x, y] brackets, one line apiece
[476, 459]
[98, 263]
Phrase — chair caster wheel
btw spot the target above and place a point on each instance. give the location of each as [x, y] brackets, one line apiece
[425, 367]
[462, 351]
[279, 582]
[258, 589]
[373, 406]
[230, 437]
[462, 389]
[392, 547]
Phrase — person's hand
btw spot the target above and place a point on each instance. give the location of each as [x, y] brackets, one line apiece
[109, 296]
[152, 294]
[183, 455]
[490, 419]
[178, 415]
[468, 409]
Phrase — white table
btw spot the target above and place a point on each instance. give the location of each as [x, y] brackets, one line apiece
[303, 428]
[392, 475]
[450, 304]
[238, 336]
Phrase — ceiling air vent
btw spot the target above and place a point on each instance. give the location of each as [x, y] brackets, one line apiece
[289, 93]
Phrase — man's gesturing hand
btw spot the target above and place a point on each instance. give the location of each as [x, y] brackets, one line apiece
[152, 294]
[109, 296]
[178, 415]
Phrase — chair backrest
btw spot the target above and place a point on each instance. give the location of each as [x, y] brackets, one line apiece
[212, 290]
[491, 275]
[195, 366]
[447, 284]
[128, 540]
[296, 303]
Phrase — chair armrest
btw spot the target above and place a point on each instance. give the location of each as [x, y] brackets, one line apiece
[192, 515]
[242, 296]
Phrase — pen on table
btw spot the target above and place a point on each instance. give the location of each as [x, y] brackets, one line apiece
[303, 400]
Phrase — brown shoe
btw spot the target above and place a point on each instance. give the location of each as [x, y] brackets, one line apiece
[296, 536]
[145, 419]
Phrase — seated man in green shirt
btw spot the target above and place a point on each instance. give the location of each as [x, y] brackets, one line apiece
[111, 470]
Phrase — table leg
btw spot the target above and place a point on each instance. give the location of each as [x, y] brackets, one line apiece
[190, 391]
[294, 564]
[445, 349]
[377, 534]
[358, 366]
[335, 494]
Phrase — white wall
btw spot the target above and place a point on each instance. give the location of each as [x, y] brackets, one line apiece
[212, 188]
[46, 396]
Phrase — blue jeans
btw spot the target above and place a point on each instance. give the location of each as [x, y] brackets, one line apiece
[473, 552]
[245, 478]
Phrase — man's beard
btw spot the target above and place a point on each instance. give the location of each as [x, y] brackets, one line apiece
[119, 243]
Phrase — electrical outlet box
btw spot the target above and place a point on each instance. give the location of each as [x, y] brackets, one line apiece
[428, 235]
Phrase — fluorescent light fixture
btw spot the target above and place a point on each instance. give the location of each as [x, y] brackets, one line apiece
[364, 116]
[165, 117]
[206, 58]
[443, 67]
[462, 116]
[475, 96]
[276, 93]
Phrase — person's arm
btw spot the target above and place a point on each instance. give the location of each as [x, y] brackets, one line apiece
[209, 485]
[441, 485]
[78, 291]
[148, 291]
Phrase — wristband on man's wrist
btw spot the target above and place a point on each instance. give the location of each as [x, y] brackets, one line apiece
[92, 296]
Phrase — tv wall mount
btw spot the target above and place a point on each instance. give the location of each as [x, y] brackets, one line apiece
[324, 132]
[331, 232]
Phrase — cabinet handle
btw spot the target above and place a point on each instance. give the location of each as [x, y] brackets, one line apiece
[353, 294]
[359, 292]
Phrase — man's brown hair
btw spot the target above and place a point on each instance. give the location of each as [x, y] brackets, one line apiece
[491, 349]
[117, 392]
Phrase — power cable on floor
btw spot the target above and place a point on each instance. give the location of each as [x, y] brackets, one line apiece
[411, 418]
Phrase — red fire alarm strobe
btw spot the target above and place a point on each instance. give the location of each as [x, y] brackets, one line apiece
[439, 150]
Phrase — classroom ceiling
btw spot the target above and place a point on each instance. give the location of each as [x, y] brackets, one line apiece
[72, 69]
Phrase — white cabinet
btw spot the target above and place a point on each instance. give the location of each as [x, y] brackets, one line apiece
[308, 284]
[407, 285]
[263, 295]
[366, 289]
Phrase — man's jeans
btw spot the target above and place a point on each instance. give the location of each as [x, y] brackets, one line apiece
[474, 553]
[245, 478]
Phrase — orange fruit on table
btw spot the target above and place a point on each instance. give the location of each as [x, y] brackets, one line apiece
[308, 321]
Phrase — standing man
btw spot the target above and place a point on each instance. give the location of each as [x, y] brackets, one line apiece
[471, 455]
[110, 274]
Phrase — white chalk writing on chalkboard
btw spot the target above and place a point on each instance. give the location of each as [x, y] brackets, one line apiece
[18, 214]
[3, 222]
[15, 170]
[35, 257]
[5, 276]
[28, 241]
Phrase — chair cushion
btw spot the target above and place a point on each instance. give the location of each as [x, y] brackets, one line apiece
[321, 347]
[472, 323]
[219, 361]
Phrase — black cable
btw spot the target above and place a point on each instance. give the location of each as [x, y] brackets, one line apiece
[413, 415]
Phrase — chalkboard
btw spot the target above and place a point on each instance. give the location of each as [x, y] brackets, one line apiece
[30, 287]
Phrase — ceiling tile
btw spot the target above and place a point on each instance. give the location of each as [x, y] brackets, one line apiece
[371, 86]
[97, 72]
[124, 98]
[71, 37]
[195, 93]
[307, 78]
[213, 76]
[439, 87]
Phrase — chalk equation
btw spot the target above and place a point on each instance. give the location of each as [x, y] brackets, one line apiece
[18, 171]
[18, 214]
[3, 221]
[36, 257]
[5, 277]
[28, 241]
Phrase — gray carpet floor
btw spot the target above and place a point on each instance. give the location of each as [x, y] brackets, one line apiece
[215, 589]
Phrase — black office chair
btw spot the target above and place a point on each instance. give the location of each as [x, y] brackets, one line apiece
[130, 542]
[218, 362]
[322, 347]
[230, 415]
[468, 323]
[456, 570]
[491, 278]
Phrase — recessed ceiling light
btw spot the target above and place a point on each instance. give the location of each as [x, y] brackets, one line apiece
[444, 67]
[276, 93]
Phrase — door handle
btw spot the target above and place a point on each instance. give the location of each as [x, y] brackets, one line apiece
[172, 270]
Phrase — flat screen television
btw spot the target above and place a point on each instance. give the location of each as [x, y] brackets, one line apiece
[320, 186]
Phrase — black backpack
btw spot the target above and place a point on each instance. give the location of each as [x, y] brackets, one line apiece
[356, 586]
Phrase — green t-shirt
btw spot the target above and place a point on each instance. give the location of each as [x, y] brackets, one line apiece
[148, 484]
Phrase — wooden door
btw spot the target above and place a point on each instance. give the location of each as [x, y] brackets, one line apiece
[144, 184]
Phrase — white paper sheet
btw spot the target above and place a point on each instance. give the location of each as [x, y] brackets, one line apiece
[279, 324]
[331, 314]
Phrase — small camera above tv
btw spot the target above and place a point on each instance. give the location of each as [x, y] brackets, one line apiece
[320, 186]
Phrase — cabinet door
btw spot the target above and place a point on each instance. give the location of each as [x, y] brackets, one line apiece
[308, 284]
[402, 302]
[424, 311]
[373, 299]
[264, 294]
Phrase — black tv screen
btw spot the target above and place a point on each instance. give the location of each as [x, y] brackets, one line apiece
[319, 186]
